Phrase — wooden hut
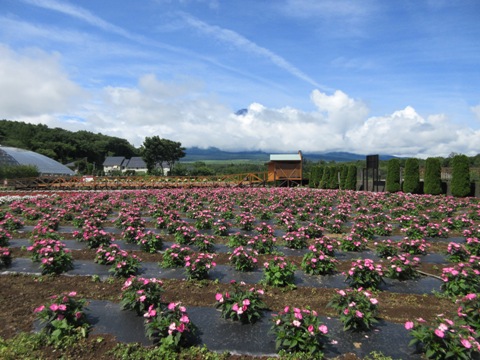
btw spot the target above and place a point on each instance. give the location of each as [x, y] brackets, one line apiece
[286, 169]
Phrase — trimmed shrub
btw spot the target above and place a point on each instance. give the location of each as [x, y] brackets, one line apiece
[18, 171]
[343, 176]
[411, 183]
[393, 176]
[325, 177]
[351, 181]
[432, 181]
[333, 180]
[460, 176]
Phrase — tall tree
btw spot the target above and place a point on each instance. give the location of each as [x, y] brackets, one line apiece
[411, 183]
[351, 182]
[155, 151]
[393, 176]
[432, 182]
[460, 176]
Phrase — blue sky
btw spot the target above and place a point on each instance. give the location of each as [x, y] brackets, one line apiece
[365, 76]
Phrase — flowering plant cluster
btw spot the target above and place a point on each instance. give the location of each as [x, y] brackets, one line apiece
[278, 272]
[4, 237]
[139, 294]
[129, 218]
[469, 310]
[237, 239]
[125, 264]
[263, 244]
[205, 243]
[326, 244]
[316, 262]
[296, 239]
[245, 221]
[241, 303]
[457, 252]
[299, 330]
[197, 265]
[354, 242]
[414, 246]
[220, 227]
[334, 226]
[5, 257]
[54, 258]
[106, 254]
[415, 231]
[63, 317]
[171, 326]
[364, 273]
[93, 236]
[175, 256]
[184, 234]
[473, 245]
[11, 223]
[386, 248]
[243, 259]
[149, 241]
[356, 307]
[460, 280]
[203, 220]
[403, 267]
[444, 338]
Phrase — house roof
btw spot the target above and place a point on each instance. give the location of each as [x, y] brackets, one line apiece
[136, 163]
[285, 157]
[114, 161]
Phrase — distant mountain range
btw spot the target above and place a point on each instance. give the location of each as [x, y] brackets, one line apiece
[212, 153]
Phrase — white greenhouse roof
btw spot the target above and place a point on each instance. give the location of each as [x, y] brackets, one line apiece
[44, 164]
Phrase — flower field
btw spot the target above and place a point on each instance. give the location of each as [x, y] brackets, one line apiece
[315, 273]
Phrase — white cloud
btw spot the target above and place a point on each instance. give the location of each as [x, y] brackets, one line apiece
[40, 91]
[34, 84]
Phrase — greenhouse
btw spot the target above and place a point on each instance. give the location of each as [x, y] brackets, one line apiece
[44, 164]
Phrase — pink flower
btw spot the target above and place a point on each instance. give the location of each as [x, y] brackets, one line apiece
[171, 306]
[409, 325]
[374, 301]
[39, 309]
[296, 323]
[219, 297]
[72, 293]
[323, 329]
[358, 314]
[439, 333]
[151, 312]
[54, 307]
[467, 344]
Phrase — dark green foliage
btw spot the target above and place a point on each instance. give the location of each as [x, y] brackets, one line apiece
[393, 175]
[411, 183]
[351, 181]
[63, 145]
[333, 179]
[156, 151]
[18, 171]
[314, 178]
[324, 182]
[343, 176]
[432, 181]
[460, 176]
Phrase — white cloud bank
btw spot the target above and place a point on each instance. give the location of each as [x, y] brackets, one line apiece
[37, 89]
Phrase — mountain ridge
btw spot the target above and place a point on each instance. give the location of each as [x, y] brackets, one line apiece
[214, 153]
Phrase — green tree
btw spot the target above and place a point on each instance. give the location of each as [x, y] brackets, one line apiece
[393, 175]
[432, 182]
[460, 176]
[411, 183]
[324, 182]
[343, 176]
[351, 182]
[155, 151]
[333, 180]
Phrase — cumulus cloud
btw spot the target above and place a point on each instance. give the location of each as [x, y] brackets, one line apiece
[40, 91]
[34, 84]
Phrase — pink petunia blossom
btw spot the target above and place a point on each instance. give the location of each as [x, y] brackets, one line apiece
[323, 329]
[409, 325]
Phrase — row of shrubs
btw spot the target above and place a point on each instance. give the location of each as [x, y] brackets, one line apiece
[432, 182]
[345, 177]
